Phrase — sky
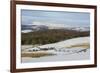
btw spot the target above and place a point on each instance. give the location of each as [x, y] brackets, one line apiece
[55, 17]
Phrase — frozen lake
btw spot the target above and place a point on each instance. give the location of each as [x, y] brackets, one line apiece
[59, 57]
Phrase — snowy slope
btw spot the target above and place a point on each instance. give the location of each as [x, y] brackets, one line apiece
[67, 43]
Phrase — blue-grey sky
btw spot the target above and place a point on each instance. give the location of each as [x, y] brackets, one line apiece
[57, 17]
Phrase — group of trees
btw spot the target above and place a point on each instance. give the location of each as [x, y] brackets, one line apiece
[50, 36]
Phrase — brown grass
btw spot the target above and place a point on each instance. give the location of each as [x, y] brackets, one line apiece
[84, 45]
[36, 54]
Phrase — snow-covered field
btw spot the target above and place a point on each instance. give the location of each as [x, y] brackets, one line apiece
[72, 49]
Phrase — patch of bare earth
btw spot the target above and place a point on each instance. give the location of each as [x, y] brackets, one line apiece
[35, 54]
[84, 45]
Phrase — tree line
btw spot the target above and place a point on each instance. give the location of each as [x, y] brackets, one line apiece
[50, 36]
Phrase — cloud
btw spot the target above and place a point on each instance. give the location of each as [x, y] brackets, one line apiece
[55, 17]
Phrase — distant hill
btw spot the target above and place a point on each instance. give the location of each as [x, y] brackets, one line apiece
[30, 28]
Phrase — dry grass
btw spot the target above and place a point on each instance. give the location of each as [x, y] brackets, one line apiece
[84, 45]
[35, 54]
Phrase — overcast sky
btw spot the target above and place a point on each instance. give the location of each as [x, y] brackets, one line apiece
[55, 17]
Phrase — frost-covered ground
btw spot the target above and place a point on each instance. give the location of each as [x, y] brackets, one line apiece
[64, 51]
